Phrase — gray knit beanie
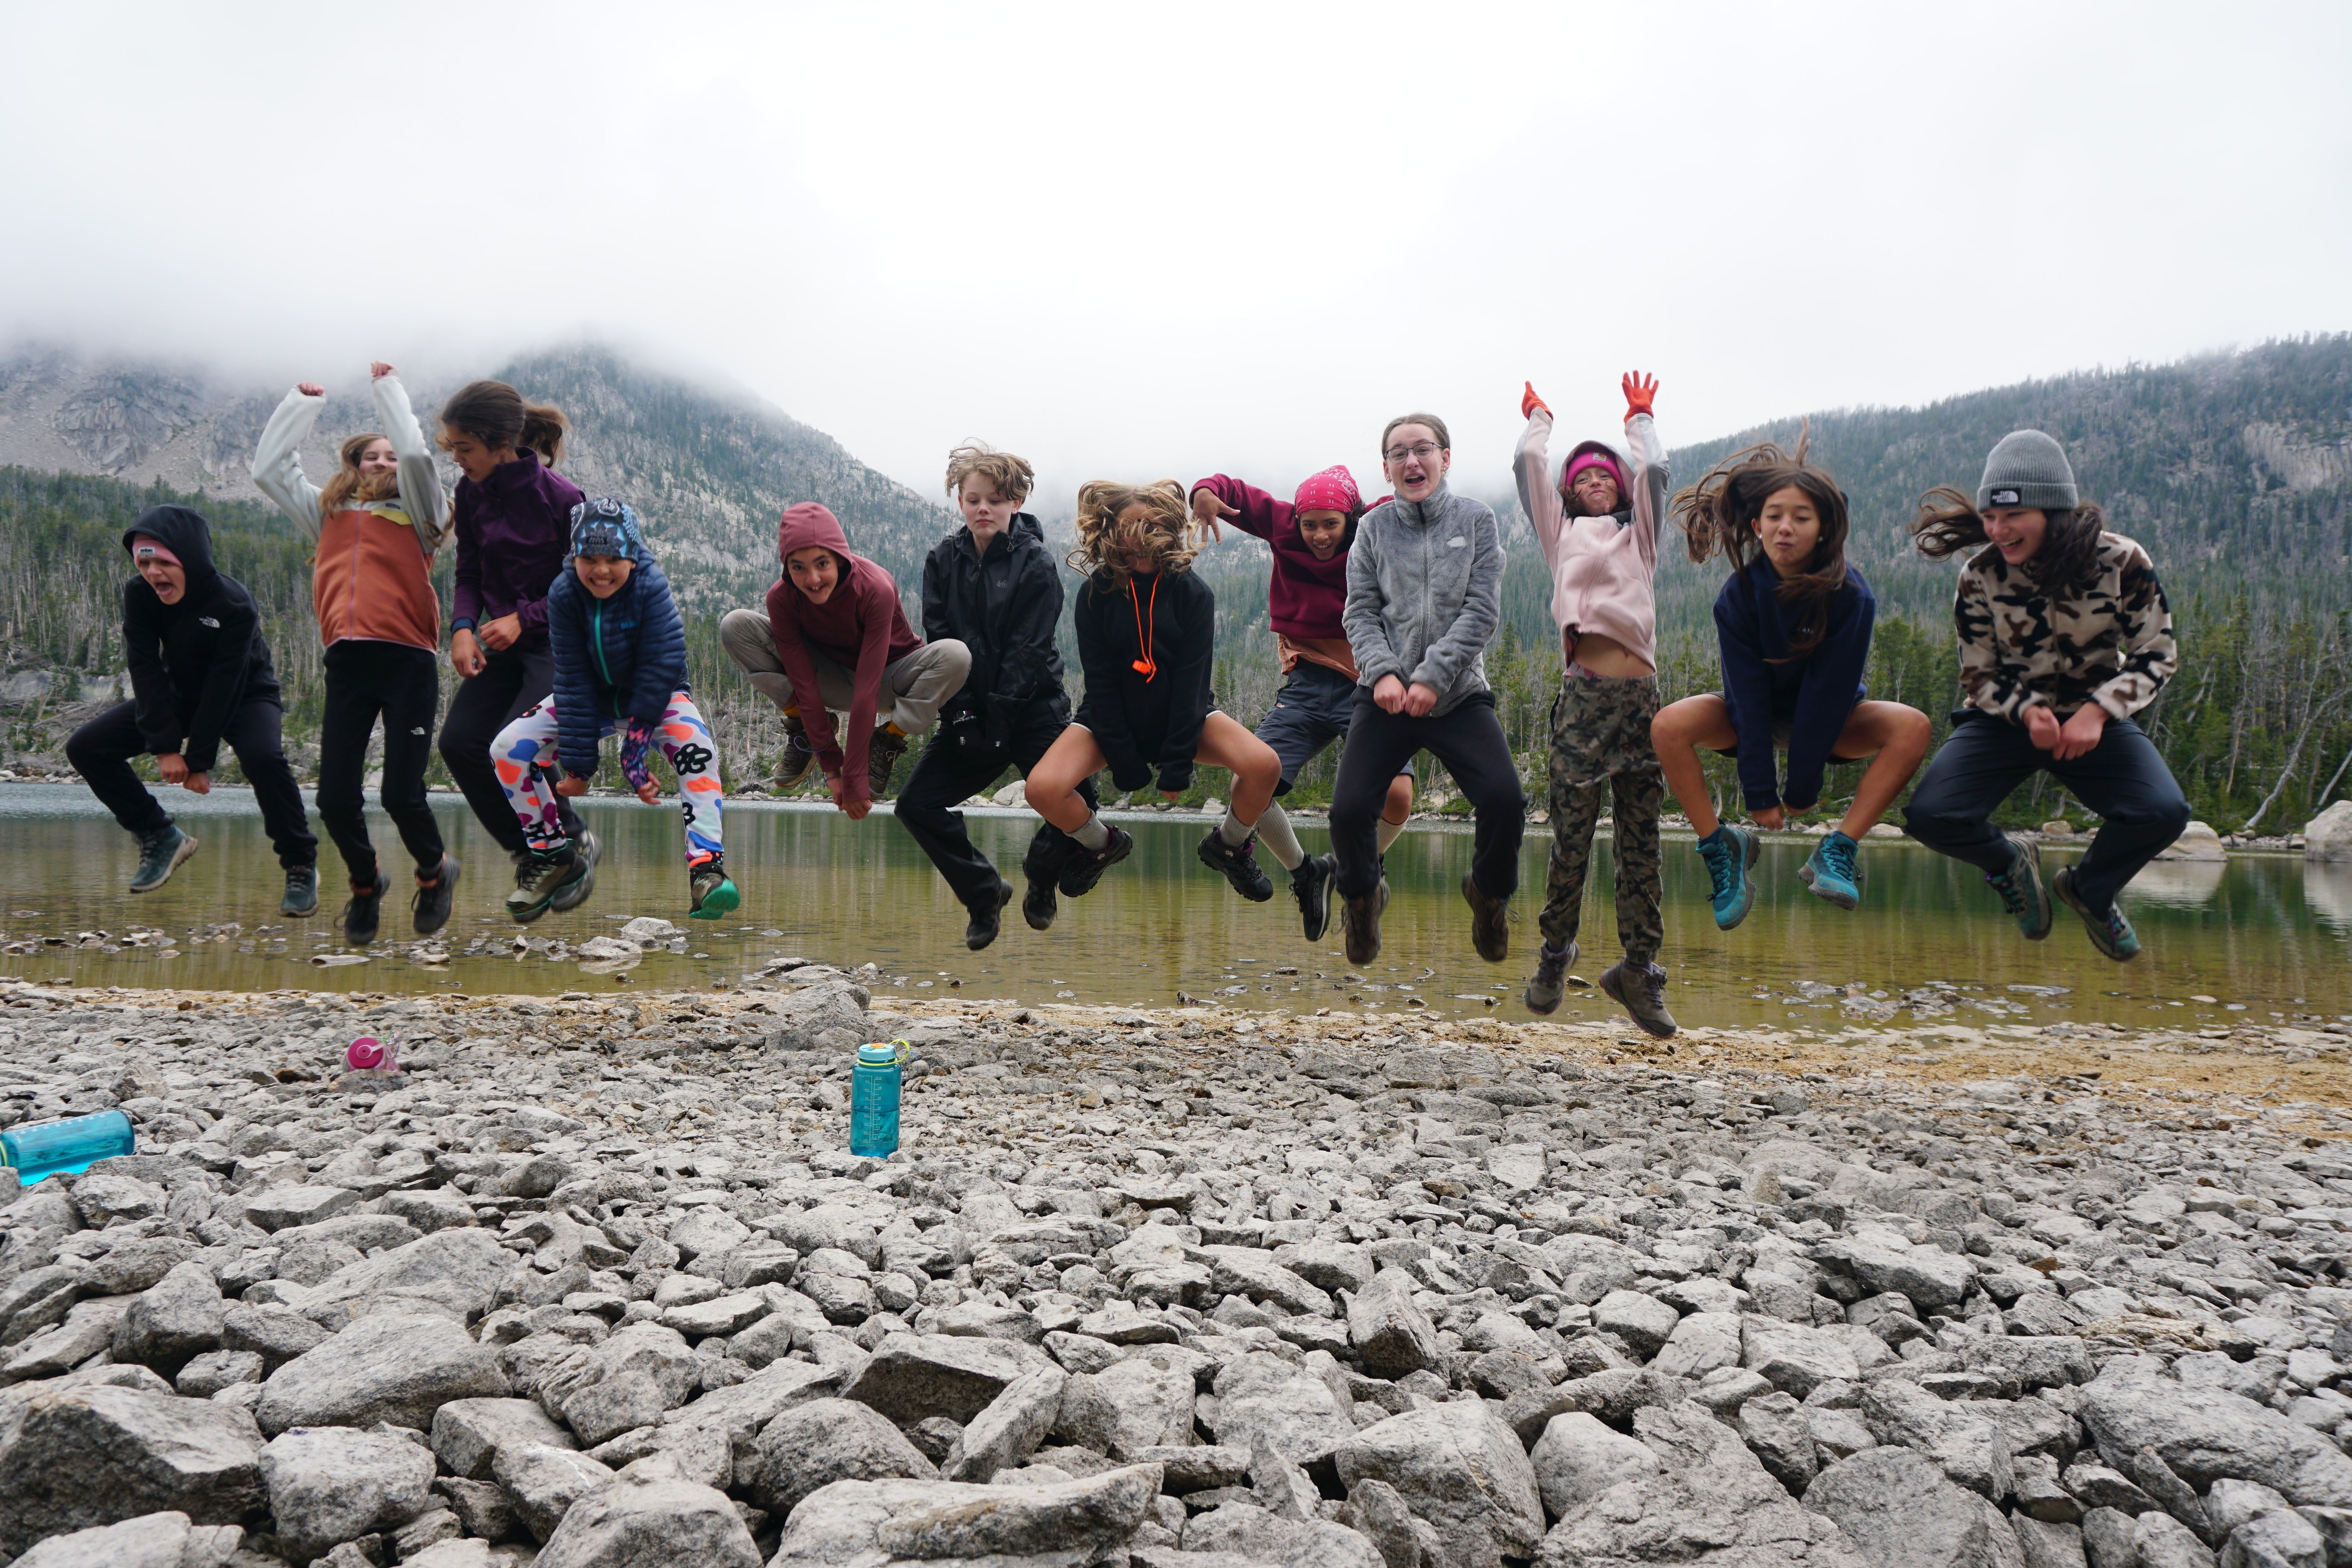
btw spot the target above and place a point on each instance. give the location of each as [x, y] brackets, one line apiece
[2028, 469]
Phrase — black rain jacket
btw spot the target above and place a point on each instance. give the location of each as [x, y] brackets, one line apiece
[1005, 606]
[193, 663]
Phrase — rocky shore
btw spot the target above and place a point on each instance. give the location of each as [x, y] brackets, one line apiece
[595, 1281]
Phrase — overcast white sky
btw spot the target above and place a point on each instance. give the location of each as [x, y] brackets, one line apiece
[1130, 241]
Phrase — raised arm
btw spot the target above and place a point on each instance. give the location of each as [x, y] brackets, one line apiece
[421, 495]
[276, 463]
[1649, 475]
[1538, 499]
[1247, 507]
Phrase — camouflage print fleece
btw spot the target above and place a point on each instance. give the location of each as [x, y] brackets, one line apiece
[1600, 742]
[2110, 644]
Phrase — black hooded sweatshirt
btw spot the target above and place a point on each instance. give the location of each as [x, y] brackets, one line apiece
[195, 662]
[1005, 606]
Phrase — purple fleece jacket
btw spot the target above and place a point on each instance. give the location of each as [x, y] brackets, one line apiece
[513, 531]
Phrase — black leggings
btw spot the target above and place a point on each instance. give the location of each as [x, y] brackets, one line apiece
[102, 749]
[946, 775]
[513, 681]
[2121, 778]
[1468, 739]
[402, 684]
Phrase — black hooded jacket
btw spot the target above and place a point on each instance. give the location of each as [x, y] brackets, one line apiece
[1004, 607]
[195, 662]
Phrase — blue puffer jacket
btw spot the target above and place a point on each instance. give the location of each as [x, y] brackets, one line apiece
[615, 659]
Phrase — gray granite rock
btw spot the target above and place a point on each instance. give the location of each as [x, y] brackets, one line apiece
[380, 1368]
[328, 1484]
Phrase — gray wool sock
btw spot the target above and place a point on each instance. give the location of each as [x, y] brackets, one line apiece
[1093, 836]
[1274, 826]
[1233, 831]
[1386, 833]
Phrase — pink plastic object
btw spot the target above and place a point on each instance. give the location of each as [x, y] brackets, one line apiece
[367, 1053]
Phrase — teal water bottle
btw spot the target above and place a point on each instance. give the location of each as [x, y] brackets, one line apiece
[69, 1147]
[874, 1098]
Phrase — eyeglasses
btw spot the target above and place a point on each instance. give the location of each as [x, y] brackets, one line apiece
[1423, 450]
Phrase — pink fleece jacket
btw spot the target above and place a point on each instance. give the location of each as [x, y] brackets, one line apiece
[1602, 568]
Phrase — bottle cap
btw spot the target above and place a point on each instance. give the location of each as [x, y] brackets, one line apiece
[880, 1055]
[367, 1052]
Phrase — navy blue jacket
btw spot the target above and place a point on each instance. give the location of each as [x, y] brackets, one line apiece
[615, 659]
[1763, 683]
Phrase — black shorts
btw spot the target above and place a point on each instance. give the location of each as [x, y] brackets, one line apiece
[1781, 724]
[1310, 713]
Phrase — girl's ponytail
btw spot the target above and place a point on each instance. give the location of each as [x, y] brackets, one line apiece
[494, 414]
[543, 430]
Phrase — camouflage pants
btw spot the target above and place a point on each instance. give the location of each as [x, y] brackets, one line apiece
[1600, 742]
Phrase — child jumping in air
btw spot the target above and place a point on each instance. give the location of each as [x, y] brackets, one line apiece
[620, 664]
[1598, 526]
[834, 627]
[200, 675]
[1793, 622]
[992, 586]
[513, 522]
[1309, 538]
[1424, 596]
[1147, 630]
[376, 525]
[2065, 634]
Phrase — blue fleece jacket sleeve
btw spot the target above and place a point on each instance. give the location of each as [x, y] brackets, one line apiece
[1747, 690]
[661, 648]
[578, 724]
[1832, 681]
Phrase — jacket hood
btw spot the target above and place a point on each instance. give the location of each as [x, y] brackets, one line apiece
[808, 523]
[184, 532]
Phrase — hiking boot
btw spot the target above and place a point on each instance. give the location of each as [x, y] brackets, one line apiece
[365, 911]
[1730, 854]
[714, 892]
[1311, 886]
[882, 760]
[1833, 871]
[793, 762]
[1642, 994]
[572, 895]
[1544, 987]
[1490, 922]
[539, 876]
[1086, 868]
[161, 853]
[1360, 925]
[301, 892]
[988, 916]
[1239, 864]
[429, 909]
[2111, 933]
[2021, 890]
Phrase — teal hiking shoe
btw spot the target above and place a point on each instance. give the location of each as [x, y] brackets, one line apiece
[2021, 890]
[1834, 870]
[1730, 854]
[541, 876]
[2111, 933]
[714, 892]
[161, 853]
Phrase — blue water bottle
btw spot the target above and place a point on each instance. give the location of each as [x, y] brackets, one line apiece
[874, 1098]
[69, 1147]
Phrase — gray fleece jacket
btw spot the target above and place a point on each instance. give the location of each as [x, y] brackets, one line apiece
[1424, 595]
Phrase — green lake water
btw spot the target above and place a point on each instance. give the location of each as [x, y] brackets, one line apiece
[2259, 935]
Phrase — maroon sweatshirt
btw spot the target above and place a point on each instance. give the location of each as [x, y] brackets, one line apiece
[860, 627]
[1305, 595]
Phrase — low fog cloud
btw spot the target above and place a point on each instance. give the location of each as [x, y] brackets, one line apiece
[1138, 244]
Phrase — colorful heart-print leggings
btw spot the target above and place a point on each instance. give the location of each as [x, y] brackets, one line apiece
[683, 738]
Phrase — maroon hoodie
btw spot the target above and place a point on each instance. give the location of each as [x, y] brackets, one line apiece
[860, 627]
[1303, 597]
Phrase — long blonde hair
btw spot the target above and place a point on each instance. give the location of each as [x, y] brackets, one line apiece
[1105, 542]
[350, 485]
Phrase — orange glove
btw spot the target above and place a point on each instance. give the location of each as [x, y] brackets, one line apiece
[1641, 391]
[1530, 403]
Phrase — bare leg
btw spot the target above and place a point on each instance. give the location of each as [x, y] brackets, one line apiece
[1255, 769]
[1678, 732]
[1393, 812]
[1053, 782]
[1895, 738]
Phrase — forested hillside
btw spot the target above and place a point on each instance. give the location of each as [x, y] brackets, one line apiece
[2235, 470]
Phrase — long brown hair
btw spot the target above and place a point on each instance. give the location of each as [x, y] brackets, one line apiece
[1104, 542]
[1948, 522]
[350, 485]
[1718, 516]
[495, 414]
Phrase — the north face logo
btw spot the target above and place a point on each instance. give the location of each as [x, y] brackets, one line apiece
[2004, 498]
[207, 621]
[418, 730]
